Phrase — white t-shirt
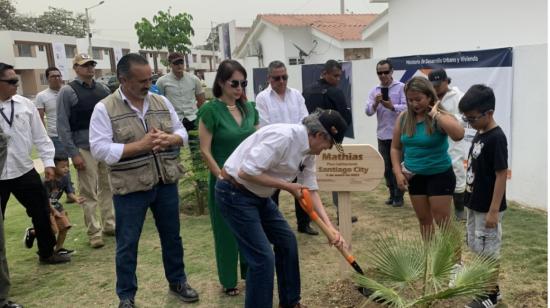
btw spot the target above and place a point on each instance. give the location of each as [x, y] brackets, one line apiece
[278, 150]
[47, 100]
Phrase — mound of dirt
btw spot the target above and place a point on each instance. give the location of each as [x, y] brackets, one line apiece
[341, 293]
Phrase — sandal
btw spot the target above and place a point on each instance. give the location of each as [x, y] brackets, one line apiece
[231, 291]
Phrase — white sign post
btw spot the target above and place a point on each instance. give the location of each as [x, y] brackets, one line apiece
[359, 168]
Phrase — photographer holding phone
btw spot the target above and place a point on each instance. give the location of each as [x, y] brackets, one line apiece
[387, 100]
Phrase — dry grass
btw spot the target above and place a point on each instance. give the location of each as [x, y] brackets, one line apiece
[89, 280]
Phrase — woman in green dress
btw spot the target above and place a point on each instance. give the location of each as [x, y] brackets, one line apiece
[224, 123]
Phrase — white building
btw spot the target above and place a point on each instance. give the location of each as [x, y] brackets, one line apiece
[305, 39]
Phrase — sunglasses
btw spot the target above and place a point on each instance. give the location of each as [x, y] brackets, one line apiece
[383, 73]
[236, 83]
[89, 64]
[178, 62]
[474, 119]
[54, 76]
[278, 78]
[13, 82]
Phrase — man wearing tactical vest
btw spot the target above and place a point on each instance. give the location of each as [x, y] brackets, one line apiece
[138, 134]
[75, 104]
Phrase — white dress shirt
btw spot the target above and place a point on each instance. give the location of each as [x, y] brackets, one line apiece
[101, 131]
[26, 130]
[272, 109]
[278, 150]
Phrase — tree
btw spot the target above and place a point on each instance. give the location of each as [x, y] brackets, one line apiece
[417, 273]
[166, 30]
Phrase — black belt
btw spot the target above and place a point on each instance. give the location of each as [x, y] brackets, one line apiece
[234, 182]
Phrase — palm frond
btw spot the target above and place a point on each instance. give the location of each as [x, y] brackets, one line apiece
[384, 295]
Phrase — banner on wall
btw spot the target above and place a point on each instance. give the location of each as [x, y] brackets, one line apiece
[60, 59]
[118, 54]
[311, 73]
[492, 67]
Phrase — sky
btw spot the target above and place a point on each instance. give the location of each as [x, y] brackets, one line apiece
[115, 18]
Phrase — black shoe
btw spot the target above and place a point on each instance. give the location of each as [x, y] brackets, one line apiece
[307, 230]
[55, 259]
[389, 201]
[11, 304]
[354, 219]
[397, 203]
[184, 292]
[63, 251]
[126, 303]
[28, 239]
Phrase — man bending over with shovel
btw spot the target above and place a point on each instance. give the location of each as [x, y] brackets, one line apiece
[268, 160]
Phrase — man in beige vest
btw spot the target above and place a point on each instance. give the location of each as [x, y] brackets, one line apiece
[138, 135]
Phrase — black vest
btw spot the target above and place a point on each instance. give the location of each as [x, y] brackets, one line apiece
[81, 113]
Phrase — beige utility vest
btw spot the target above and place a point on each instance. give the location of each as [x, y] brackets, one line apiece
[141, 172]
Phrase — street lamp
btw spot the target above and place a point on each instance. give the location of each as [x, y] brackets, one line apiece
[88, 23]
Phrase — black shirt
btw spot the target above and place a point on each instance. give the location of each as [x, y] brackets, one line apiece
[55, 189]
[488, 154]
[323, 95]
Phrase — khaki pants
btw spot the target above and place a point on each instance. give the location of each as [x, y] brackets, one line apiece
[93, 185]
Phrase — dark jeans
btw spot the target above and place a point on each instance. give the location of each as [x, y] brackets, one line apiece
[130, 210]
[30, 192]
[384, 147]
[302, 218]
[60, 151]
[257, 223]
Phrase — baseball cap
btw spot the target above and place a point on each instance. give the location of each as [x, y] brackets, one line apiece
[437, 76]
[82, 59]
[335, 125]
[175, 56]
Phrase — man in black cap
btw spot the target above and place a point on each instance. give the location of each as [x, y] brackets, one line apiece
[268, 160]
[449, 98]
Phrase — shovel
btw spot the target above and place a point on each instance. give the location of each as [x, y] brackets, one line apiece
[307, 206]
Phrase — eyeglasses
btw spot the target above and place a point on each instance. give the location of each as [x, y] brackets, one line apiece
[236, 83]
[13, 82]
[474, 119]
[278, 78]
[178, 62]
[383, 73]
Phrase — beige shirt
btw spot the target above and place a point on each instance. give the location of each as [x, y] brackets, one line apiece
[181, 93]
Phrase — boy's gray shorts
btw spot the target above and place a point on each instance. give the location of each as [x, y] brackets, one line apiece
[480, 239]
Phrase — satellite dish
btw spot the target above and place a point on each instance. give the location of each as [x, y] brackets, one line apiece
[302, 53]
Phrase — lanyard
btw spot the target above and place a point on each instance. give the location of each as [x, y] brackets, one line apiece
[10, 121]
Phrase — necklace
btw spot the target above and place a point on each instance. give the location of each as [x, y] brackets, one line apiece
[232, 107]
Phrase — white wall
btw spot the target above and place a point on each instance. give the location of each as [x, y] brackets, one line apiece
[380, 43]
[529, 154]
[433, 26]
[272, 45]
[326, 51]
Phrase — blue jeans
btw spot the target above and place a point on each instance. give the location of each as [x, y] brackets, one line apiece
[60, 151]
[130, 210]
[257, 224]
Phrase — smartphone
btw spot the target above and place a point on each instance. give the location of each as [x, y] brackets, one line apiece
[385, 94]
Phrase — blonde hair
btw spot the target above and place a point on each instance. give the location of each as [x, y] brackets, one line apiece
[408, 118]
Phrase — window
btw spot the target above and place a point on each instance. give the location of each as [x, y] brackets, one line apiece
[70, 51]
[24, 50]
[97, 54]
[106, 52]
[357, 53]
[204, 59]
[295, 61]
[40, 47]
[43, 79]
[194, 58]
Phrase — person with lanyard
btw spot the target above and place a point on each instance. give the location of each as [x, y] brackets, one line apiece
[138, 134]
[75, 104]
[281, 104]
[268, 160]
[387, 100]
[19, 120]
[223, 124]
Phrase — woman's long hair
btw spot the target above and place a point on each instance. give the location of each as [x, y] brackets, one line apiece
[408, 120]
[223, 74]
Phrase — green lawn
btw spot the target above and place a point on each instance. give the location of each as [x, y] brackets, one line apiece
[89, 280]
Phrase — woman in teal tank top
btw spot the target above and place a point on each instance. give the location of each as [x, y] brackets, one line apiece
[419, 154]
[224, 123]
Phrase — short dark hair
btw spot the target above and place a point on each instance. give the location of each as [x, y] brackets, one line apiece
[4, 67]
[332, 64]
[478, 97]
[51, 69]
[384, 61]
[60, 158]
[123, 65]
[274, 65]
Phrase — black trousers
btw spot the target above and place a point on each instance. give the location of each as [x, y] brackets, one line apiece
[30, 192]
[384, 147]
[302, 218]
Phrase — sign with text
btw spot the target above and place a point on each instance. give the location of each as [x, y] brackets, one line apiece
[359, 168]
